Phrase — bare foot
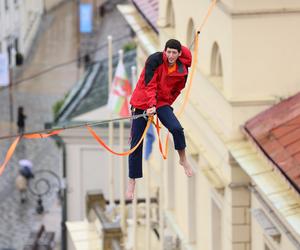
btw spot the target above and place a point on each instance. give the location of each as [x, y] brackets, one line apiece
[130, 189]
[187, 168]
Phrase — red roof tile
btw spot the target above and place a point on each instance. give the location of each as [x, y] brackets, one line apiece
[149, 10]
[277, 132]
[290, 137]
[297, 157]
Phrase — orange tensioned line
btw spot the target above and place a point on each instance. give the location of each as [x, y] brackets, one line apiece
[41, 135]
[150, 120]
[14, 145]
[9, 154]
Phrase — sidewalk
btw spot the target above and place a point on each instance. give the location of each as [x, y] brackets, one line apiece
[57, 43]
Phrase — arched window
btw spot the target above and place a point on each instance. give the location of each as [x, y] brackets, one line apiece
[216, 62]
[170, 15]
[190, 33]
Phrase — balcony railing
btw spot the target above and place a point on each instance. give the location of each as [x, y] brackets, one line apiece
[112, 237]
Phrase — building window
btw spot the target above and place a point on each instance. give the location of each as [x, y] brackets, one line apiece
[216, 68]
[17, 44]
[170, 15]
[216, 61]
[192, 210]
[216, 226]
[6, 4]
[190, 34]
[171, 180]
[267, 247]
[9, 54]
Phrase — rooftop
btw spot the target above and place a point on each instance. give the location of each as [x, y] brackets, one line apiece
[91, 92]
[277, 133]
[149, 10]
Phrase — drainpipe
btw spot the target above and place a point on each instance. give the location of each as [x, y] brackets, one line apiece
[64, 242]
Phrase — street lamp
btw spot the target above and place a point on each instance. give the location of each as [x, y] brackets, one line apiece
[44, 183]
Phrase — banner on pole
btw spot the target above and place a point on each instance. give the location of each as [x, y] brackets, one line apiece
[120, 91]
[4, 70]
[86, 17]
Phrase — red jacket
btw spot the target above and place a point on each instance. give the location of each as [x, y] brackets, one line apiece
[155, 87]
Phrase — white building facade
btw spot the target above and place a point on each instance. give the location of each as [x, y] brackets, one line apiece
[19, 21]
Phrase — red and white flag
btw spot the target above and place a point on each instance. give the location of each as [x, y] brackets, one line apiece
[120, 92]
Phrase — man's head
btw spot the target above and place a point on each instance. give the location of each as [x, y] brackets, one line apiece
[172, 50]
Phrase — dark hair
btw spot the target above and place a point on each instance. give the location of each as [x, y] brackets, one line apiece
[173, 44]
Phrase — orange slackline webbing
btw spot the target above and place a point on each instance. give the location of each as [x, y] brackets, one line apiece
[190, 81]
[43, 135]
[98, 139]
[13, 146]
[9, 154]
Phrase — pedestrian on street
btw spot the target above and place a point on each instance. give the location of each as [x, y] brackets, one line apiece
[21, 120]
[21, 185]
[87, 61]
[161, 81]
[26, 169]
[25, 174]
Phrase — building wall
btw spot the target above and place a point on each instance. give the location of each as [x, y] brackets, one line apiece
[204, 219]
[244, 5]
[32, 14]
[260, 236]
[50, 4]
[10, 24]
[88, 170]
[265, 53]
[19, 24]
[258, 67]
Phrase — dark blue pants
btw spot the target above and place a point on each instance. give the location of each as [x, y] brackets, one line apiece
[169, 120]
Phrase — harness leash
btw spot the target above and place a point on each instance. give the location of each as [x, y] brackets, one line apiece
[101, 142]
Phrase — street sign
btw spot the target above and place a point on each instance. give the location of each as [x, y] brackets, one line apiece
[4, 70]
[86, 18]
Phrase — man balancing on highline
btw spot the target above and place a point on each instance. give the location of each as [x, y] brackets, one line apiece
[163, 77]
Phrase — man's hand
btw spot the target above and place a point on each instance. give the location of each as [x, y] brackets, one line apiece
[151, 111]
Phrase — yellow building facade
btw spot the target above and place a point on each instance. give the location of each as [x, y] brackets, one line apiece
[247, 57]
[247, 62]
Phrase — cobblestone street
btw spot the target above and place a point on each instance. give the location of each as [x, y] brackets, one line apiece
[37, 96]
[56, 43]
